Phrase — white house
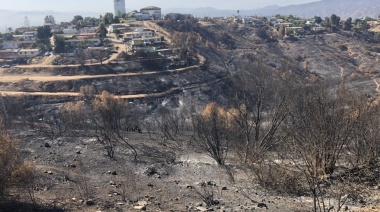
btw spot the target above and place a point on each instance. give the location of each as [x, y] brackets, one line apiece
[145, 41]
[247, 20]
[70, 30]
[28, 53]
[154, 12]
[30, 35]
[319, 29]
[113, 27]
[138, 34]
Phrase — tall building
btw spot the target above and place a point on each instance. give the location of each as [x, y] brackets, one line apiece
[119, 6]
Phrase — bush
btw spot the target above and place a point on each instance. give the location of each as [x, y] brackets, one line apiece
[15, 174]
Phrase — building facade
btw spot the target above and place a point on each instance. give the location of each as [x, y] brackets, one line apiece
[119, 7]
[154, 12]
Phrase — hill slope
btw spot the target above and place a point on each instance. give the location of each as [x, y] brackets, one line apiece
[343, 8]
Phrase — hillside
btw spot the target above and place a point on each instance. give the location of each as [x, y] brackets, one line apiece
[342, 8]
[131, 135]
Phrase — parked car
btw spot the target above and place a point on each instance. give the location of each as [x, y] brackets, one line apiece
[47, 53]
[5, 66]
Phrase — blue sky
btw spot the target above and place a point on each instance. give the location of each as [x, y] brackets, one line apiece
[106, 5]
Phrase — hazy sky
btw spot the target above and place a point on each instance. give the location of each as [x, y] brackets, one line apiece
[107, 5]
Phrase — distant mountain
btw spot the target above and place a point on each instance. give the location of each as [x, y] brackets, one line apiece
[343, 8]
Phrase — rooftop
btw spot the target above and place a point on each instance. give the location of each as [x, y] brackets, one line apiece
[151, 8]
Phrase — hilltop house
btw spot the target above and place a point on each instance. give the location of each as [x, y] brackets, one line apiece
[16, 44]
[70, 30]
[9, 54]
[293, 30]
[86, 42]
[130, 35]
[30, 35]
[19, 53]
[152, 11]
[114, 27]
[28, 53]
[319, 29]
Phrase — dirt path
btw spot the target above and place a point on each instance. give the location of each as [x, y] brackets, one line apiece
[47, 62]
[132, 96]
[49, 78]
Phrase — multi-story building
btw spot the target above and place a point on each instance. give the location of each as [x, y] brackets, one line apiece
[119, 6]
[154, 12]
[29, 35]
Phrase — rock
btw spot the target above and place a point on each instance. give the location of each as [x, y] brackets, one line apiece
[120, 203]
[50, 172]
[74, 199]
[216, 202]
[47, 145]
[112, 183]
[211, 183]
[140, 207]
[109, 172]
[224, 188]
[114, 173]
[150, 185]
[78, 152]
[151, 171]
[90, 202]
[189, 186]
[199, 208]
[262, 205]
[73, 166]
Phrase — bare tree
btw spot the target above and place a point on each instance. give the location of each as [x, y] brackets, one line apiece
[111, 118]
[259, 105]
[318, 129]
[211, 132]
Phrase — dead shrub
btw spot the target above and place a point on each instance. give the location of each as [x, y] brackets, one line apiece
[15, 174]
[278, 177]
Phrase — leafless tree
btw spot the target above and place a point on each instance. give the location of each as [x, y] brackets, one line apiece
[211, 133]
[318, 129]
[111, 118]
[259, 105]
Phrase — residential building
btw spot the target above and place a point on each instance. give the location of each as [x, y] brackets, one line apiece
[293, 30]
[9, 54]
[131, 35]
[319, 29]
[154, 12]
[70, 30]
[28, 53]
[86, 42]
[87, 30]
[113, 27]
[16, 44]
[119, 7]
[247, 20]
[145, 41]
[30, 35]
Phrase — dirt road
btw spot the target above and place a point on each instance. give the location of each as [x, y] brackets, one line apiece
[47, 62]
[132, 96]
[50, 78]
